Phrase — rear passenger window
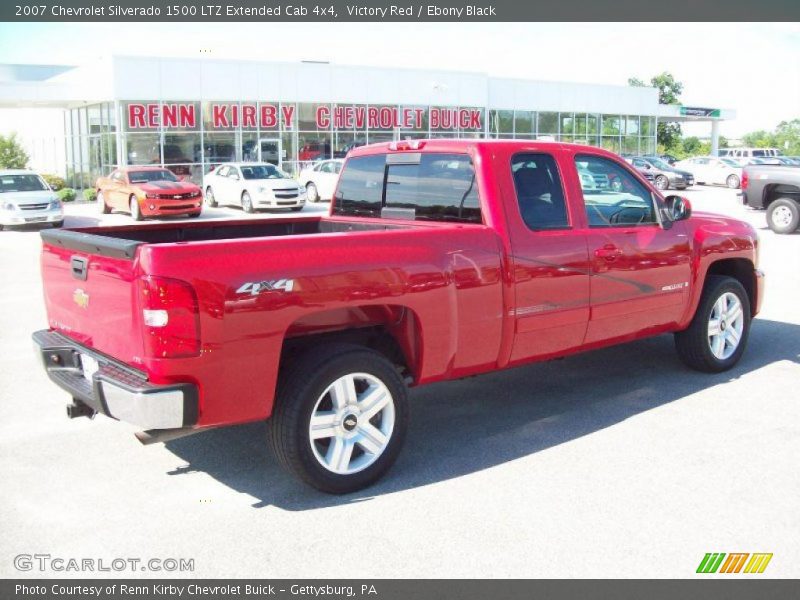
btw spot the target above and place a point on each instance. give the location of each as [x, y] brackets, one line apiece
[440, 187]
[539, 193]
[360, 191]
[414, 186]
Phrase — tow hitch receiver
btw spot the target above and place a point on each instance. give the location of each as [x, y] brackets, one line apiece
[79, 409]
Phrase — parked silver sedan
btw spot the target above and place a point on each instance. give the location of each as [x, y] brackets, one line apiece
[26, 198]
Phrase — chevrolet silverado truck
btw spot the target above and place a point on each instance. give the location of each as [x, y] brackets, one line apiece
[439, 260]
[775, 189]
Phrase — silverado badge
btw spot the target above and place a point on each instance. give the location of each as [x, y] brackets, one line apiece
[81, 298]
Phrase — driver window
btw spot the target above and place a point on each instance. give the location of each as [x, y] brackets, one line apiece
[539, 193]
[612, 196]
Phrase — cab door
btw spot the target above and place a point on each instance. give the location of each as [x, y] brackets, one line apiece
[640, 270]
[549, 258]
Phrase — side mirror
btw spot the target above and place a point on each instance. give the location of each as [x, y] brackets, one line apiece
[678, 208]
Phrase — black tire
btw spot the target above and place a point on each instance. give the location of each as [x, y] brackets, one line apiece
[301, 386]
[247, 202]
[311, 192]
[209, 197]
[693, 344]
[193, 215]
[296, 208]
[733, 182]
[662, 182]
[136, 212]
[779, 210]
[56, 224]
[101, 200]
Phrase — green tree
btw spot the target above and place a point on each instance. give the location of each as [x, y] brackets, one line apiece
[12, 154]
[669, 92]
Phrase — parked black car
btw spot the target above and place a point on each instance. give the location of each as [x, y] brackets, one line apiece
[664, 176]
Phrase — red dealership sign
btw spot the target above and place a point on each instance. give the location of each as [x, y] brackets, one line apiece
[227, 115]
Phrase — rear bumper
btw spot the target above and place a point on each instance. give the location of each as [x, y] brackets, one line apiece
[115, 389]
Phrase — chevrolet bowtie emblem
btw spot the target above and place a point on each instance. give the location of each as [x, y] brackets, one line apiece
[81, 298]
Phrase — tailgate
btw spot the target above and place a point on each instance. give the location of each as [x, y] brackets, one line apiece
[90, 291]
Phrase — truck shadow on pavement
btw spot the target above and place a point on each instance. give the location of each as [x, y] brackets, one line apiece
[462, 427]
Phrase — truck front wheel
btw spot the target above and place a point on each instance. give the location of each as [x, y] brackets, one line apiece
[783, 215]
[717, 336]
[340, 418]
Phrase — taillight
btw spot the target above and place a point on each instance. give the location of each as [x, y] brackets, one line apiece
[170, 318]
[745, 180]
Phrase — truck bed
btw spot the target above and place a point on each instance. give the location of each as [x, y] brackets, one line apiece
[121, 242]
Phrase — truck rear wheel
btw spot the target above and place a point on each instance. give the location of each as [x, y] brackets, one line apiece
[783, 215]
[717, 336]
[340, 418]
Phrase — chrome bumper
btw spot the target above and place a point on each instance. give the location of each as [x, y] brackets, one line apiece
[115, 389]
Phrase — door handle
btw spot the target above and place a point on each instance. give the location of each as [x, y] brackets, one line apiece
[609, 252]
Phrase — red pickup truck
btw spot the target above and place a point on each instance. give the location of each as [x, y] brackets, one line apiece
[440, 259]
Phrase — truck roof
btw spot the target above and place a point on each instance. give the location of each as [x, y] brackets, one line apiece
[462, 145]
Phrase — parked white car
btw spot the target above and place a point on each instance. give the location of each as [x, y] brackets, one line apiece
[26, 198]
[320, 179]
[253, 186]
[711, 170]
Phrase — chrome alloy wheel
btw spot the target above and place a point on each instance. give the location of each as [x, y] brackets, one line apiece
[782, 216]
[352, 423]
[725, 326]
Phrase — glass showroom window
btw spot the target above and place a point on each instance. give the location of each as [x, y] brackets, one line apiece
[218, 147]
[142, 148]
[632, 125]
[472, 131]
[592, 128]
[94, 119]
[610, 143]
[631, 145]
[547, 124]
[611, 125]
[524, 123]
[501, 123]
[567, 127]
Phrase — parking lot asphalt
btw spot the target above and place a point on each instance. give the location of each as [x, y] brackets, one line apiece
[614, 463]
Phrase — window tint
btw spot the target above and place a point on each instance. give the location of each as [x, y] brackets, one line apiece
[539, 193]
[759, 153]
[360, 189]
[440, 187]
[612, 196]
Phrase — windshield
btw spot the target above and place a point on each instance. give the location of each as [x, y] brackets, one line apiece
[22, 183]
[147, 176]
[658, 163]
[263, 172]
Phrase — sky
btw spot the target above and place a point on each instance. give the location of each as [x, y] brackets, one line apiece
[753, 68]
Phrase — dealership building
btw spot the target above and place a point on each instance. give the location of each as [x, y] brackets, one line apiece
[192, 114]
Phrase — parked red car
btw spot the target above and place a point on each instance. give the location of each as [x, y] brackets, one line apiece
[440, 259]
[148, 192]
